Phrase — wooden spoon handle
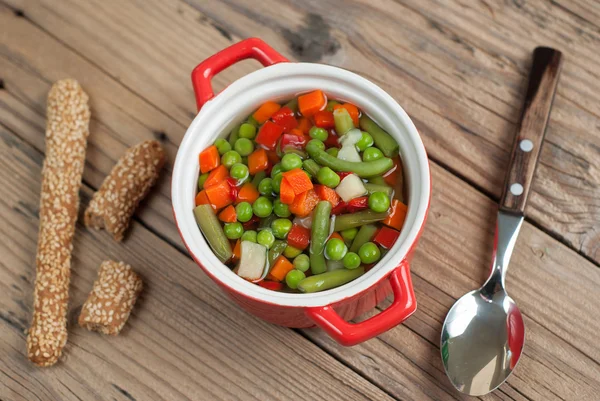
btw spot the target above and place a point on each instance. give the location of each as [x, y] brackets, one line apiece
[543, 79]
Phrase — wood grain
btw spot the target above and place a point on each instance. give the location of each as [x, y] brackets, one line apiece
[184, 341]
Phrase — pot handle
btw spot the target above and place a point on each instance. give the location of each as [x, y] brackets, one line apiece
[247, 48]
[349, 334]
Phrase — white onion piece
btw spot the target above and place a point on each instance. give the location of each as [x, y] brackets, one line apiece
[253, 262]
[349, 153]
[350, 138]
[351, 187]
[305, 222]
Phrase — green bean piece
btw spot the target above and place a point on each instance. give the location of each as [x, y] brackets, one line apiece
[379, 180]
[291, 252]
[266, 222]
[362, 169]
[384, 141]
[330, 104]
[252, 120]
[364, 235]
[372, 188]
[235, 134]
[213, 232]
[258, 178]
[343, 121]
[292, 104]
[328, 280]
[276, 250]
[311, 166]
[346, 221]
[318, 238]
[201, 181]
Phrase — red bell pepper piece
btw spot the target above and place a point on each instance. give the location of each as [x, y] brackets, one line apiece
[358, 204]
[324, 119]
[386, 237]
[343, 174]
[271, 285]
[251, 224]
[291, 141]
[332, 140]
[284, 117]
[341, 207]
[298, 237]
[233, 189]
[269, 134]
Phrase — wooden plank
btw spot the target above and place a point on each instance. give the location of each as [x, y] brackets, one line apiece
[466, 110]
[184, 341]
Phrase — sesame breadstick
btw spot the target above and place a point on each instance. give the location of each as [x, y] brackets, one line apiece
[66, 139]
[127, 184]
[108, 306]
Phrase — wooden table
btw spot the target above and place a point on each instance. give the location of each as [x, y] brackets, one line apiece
[459, 68]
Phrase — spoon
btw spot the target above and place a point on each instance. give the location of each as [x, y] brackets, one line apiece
[483, 334]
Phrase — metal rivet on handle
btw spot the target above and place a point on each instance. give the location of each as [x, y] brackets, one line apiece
[516, 189]
[526, 145]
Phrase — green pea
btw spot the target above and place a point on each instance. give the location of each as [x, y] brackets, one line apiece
[349, 234]
[266, 238]
[276, 170]
[365, 141]
[281, 209]
[243, 211]
[333, 151]
[262, 207]
[335, 249]
[252, 120]
[351, 260]
[302, 262]
[265, 187]
[239, 171]
[379, 202]
[328, 177]
[247, 131]
[372, 154]
[293, 278]
[316, 143]
[369, 253]
[222, 146]
[291, 161]
[249, 235]
[281, 228]
[233, 230]
[277, 182]
[318, 133]
[230, 158]
[244, 146]
[290, 252]
[202, 180]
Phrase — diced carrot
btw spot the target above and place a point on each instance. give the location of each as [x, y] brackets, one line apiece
[397, 215]
[298, 237]
[298, 131]
[265, 111]
[247, 193]
[216, 176]
[201, 198]
[324, 119]
[328, 194]
[219, 194]
[271, 285]
[335, 235]
[209, 159]
[237, 250]
[304, 125]
[286, 192]
[304, 203]
[298, 180]
[312, 102]
[228, 215]
[280, 269]
[392, 175]
[353, 111]
[258, 161]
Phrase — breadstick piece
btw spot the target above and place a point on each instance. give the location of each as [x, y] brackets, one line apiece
[66, 140]
[127, 184]
[108, 306]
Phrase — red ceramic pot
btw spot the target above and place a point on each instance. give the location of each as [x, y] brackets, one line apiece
[281, 80]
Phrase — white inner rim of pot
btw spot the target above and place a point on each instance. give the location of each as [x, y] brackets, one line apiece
[281, 82]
